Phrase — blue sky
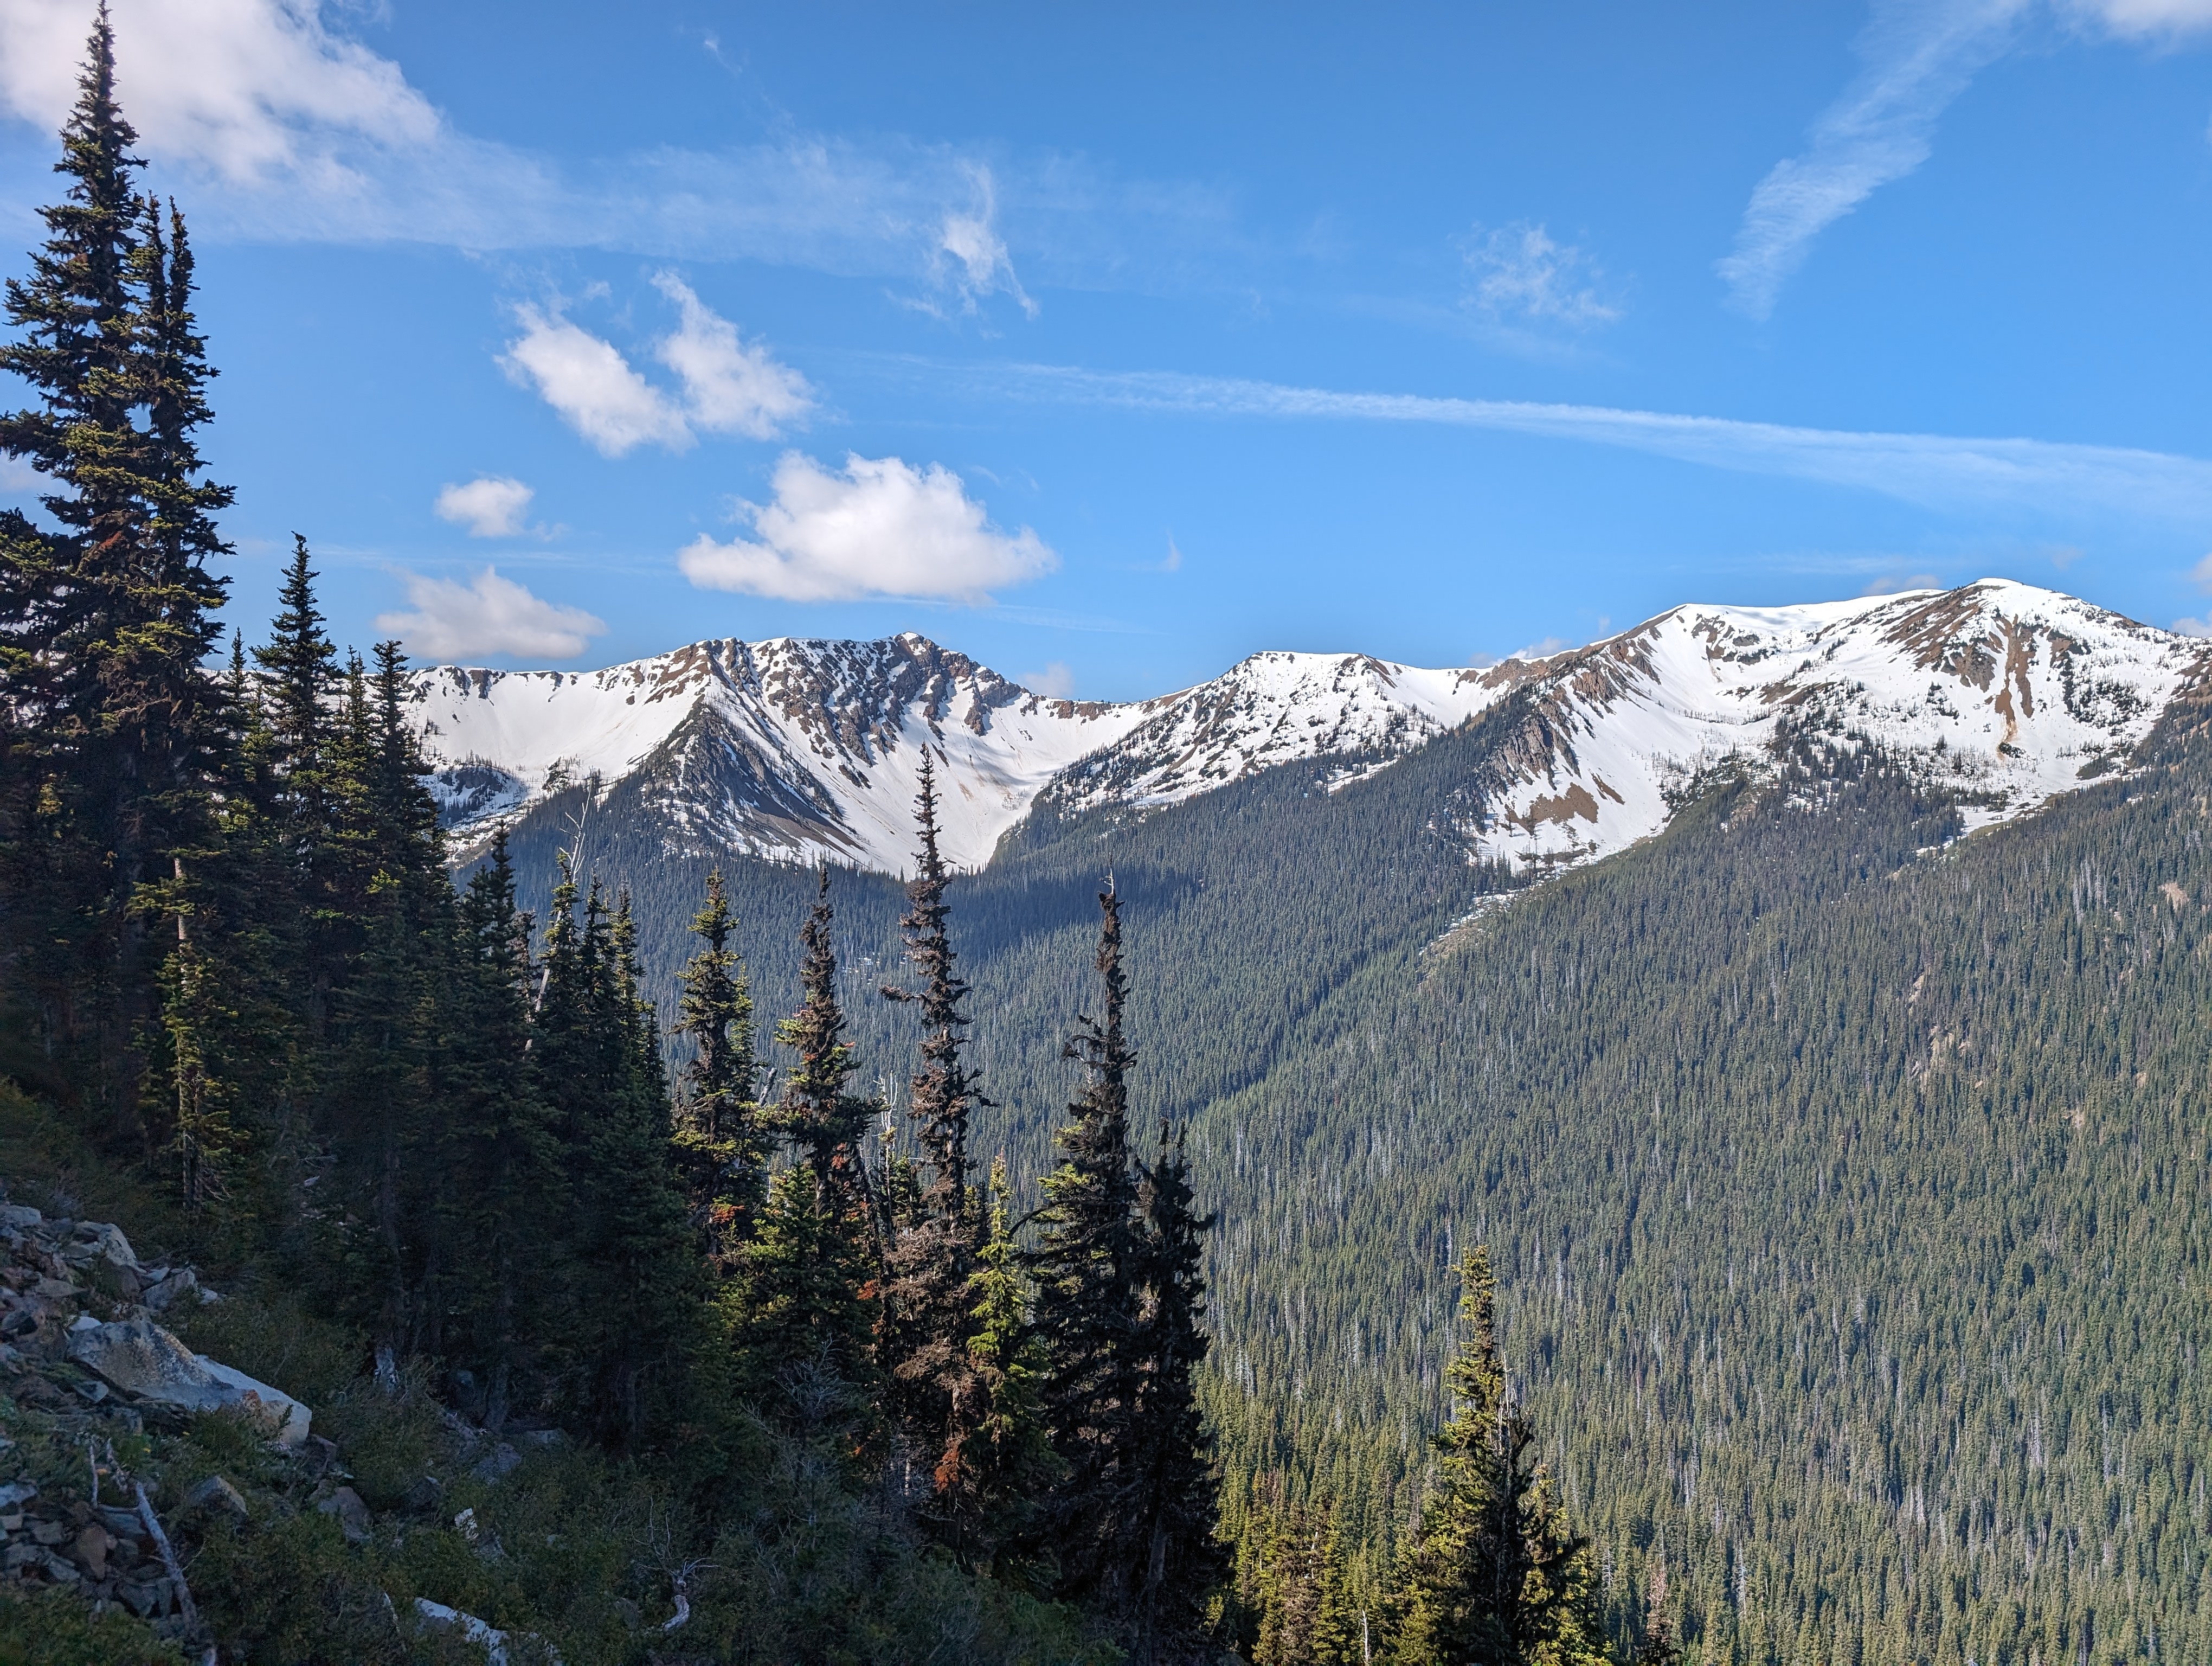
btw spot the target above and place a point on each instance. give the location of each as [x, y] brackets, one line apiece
[1111, 344]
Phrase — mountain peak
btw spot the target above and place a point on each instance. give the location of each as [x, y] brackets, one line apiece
[802, 748]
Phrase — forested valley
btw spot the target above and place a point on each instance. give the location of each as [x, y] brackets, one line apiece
[1245, 1229]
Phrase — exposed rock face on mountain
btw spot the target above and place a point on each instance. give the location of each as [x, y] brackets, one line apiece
[794, 749]
[1996, 692]
[789, 749]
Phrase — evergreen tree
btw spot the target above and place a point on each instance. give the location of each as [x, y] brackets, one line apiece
[300, 668]
[300, 684]
[641, 1254]
[1492, 1574]
[824, 1123]
[1657, 1647]
[1174, 1485]
[110, 739]
[1086, 1266]
[499, 1260]
[812, 1285]
[718, 1143]
[386, 1104]
[929, 1321]
[1306, 1613]
[597, 1056]
[1002, 1460]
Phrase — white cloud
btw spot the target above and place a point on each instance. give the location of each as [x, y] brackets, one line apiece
[1938, 471]
[2136, 19]
[728, 387]
[878, 527]
[280, 126]
[1543, 650]
[1918, 57]
[1897, 585]
[1520, 272]
[252, 91]
[591, 386]
[491, 506]
[2192, 627]
[2202, 574]
[970, 257]
[1055, 682]
[488, 616]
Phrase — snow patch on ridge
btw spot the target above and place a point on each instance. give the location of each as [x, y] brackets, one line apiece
[1998, 692]
[801, 750]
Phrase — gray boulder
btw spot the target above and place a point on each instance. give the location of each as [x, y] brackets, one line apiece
[147, 1363]
[99, 1240]
[175, 1282]
[216, 1495]
[352, 1515]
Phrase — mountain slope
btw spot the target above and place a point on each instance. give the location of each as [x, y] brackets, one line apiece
[1999, 694]
[1845, 1177]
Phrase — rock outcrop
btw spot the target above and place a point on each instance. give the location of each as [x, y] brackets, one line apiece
[81, 1348]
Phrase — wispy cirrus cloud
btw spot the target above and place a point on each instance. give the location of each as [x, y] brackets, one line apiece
[284, 127]
[1520, 273]
[1916, 57]
[1937, 471]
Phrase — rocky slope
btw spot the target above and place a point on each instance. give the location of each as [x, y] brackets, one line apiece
[76, 1384]
[797, 749]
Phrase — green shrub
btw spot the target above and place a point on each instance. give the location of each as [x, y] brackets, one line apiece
[49, 1626]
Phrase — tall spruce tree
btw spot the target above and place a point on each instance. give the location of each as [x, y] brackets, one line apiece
[1087, 1265]
[1494, 1575]
[825, 1124]
[500, 1259]
[384, 1111]
[1174, 1489]
[811, 1293]
[300, 685]
[629, 1261]
[718, 1137]
[1003, 1463]
[1306, 1616]
[929, 1322]
[111, 738]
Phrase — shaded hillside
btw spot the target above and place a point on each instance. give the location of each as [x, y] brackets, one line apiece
[1247, 907]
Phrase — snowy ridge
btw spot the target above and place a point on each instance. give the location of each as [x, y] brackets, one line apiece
[1999, 692]
[797, 749]
[1273, 708]
[792, 749]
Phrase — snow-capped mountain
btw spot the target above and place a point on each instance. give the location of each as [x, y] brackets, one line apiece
[790, 750]
[793, 749]
[1998, 692]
